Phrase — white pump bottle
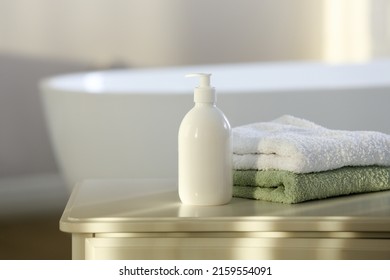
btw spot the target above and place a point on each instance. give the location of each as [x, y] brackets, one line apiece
[205, 150]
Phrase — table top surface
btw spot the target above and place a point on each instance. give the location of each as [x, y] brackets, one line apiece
[153, 205]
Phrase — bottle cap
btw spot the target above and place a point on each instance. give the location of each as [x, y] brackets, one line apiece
[203, 93]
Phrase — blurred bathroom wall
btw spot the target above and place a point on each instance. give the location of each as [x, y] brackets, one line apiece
[143, 33]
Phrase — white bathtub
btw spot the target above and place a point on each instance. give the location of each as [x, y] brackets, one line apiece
[124, 123]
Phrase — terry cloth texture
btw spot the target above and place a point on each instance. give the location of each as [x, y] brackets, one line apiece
[300, 146]
[288, 187]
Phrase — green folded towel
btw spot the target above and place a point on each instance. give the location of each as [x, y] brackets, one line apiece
[288, 187]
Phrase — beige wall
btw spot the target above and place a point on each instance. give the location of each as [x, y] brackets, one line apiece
[169, 32]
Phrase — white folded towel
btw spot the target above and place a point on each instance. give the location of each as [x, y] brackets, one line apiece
[300, 146]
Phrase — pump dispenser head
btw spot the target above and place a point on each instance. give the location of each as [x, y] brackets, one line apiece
[204, 93]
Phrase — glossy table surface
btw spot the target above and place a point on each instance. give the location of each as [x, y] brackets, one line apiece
[153, 205]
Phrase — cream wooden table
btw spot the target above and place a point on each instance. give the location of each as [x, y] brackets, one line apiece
[144, 219]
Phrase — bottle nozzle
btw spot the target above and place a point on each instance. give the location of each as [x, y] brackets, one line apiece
[204, 93]
[204, 79]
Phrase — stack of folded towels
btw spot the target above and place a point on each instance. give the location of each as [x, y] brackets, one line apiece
[291, 160]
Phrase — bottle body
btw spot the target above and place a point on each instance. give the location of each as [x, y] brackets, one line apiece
[205, 157]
